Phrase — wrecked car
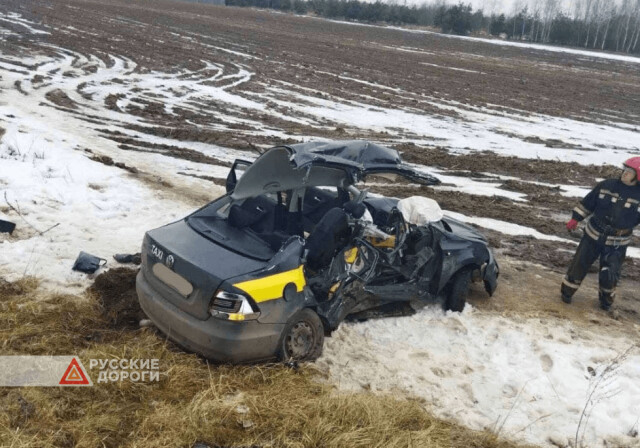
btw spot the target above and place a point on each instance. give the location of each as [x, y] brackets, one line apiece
[294, 247]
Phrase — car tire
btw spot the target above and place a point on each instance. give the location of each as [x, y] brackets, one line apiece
[458, 291]
[302, 338]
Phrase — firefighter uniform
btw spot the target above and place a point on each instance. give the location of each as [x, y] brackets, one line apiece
[613, 210]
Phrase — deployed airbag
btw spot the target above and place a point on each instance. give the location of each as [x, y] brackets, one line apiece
[419, 210]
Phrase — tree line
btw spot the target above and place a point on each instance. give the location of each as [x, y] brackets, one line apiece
[598, 24]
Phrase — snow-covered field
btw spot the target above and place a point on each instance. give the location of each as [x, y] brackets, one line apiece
[526, 378]
[530, 378]
[517, 44]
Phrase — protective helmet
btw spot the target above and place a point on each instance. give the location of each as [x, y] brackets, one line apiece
[634, 164]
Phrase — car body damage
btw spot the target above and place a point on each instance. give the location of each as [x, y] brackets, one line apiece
[294, 248]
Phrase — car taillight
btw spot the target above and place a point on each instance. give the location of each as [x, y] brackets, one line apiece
[232, 306]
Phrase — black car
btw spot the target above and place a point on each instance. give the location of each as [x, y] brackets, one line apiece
[294, 248]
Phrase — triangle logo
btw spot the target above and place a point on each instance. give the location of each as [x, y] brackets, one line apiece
[75, 375]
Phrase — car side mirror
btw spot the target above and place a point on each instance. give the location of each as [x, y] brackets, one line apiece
[237, 170]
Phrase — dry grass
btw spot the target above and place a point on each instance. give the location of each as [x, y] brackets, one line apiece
[265, 405]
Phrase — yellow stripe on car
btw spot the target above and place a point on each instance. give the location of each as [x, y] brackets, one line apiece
[387, 242]
[272, 286]
[351, 255]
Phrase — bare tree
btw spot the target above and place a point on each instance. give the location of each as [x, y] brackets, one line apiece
[597, 14]
[535, 27]
[610, 15]
[626, 10]
[578, 8]
[517, 7]
[550, 10]
[587, 20]
[602, 24]
[492, 12]
[636, 31]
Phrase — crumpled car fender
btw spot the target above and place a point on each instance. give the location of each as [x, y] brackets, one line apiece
[457, 254]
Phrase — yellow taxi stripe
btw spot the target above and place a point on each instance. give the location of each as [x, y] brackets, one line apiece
[351, 255]
[271, 287]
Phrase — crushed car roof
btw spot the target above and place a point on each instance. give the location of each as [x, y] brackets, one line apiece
[338, 163]
[359, 157]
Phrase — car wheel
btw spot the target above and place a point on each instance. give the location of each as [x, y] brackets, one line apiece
[459, 288]
[302, 338]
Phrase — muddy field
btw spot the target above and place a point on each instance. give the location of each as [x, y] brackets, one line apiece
[128, 116]
[530, 81]
[413, 71]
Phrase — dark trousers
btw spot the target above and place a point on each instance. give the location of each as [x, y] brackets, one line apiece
[611, 258]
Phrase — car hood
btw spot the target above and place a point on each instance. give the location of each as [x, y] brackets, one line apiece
[464, 230]
[336, 163]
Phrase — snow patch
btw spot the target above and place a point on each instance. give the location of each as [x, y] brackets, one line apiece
[453, 68]
[529, 377]
[17, 19]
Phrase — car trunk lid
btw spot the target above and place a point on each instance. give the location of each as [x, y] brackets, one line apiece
[186, 268]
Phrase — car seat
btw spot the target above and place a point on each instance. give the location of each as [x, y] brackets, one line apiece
[241, 217]
[329, 236]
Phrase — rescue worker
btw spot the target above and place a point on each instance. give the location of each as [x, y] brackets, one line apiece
[613, 209]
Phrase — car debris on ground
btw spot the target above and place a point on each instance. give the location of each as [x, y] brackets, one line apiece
[88, 263]
[128, 258]
[7, 226]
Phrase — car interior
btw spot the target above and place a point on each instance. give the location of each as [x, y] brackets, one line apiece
[259, 225]
[316, 214]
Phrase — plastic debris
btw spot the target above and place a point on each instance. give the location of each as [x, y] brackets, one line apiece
[7, 226]
[88, 263]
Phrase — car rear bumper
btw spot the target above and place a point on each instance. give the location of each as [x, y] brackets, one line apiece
[213, 338]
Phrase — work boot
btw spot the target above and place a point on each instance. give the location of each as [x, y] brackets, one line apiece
[566, 293]
[606, 300]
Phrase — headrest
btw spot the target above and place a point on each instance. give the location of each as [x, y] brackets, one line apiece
[355, 209]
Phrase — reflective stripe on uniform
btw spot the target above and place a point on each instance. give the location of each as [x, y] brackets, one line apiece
[618, 241]
[610, 193]
[568, 283]
[611, 240]
[593, 233]
[582, 210]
